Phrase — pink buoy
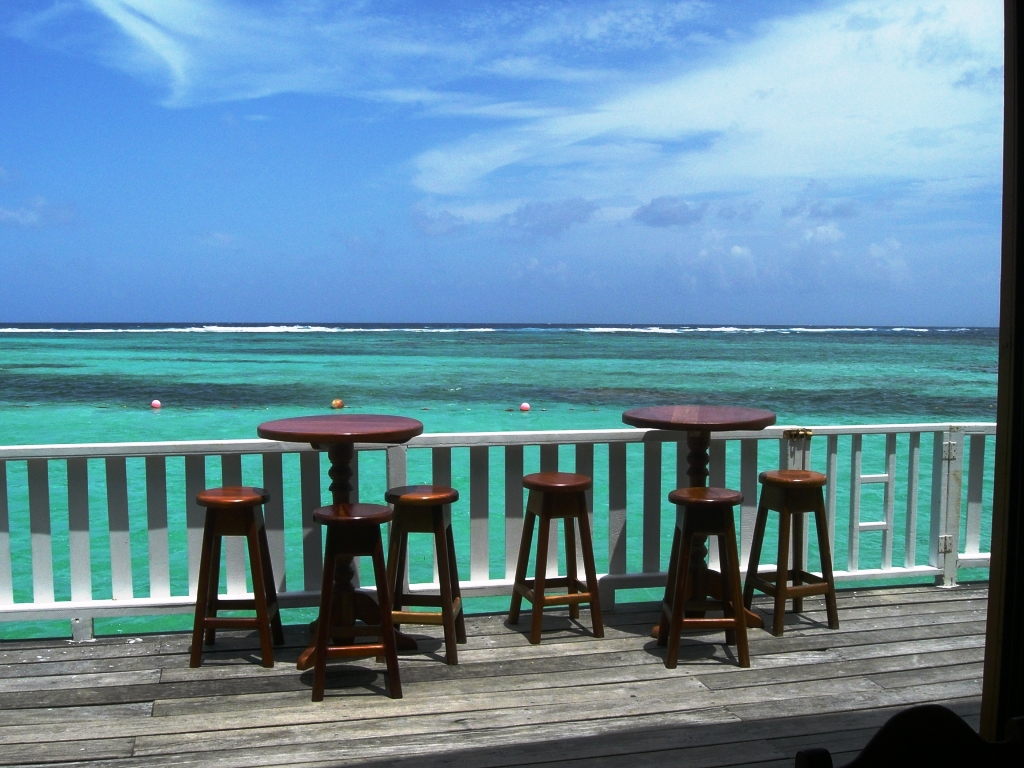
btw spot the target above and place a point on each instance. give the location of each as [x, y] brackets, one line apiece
[524, 407]
[155, 404]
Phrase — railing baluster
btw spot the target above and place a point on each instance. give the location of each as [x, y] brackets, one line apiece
[80, 560]
[120, 535]
[853, 544]
[195, 516]
[156, 516]
[616, 508]
[479, 511]
[584, 466]
[513, 506]
[748, 487]
[441, 472]
[234, 546]
[273, 516]
[6, 572]
[312, 547]
[913, 483]
[716, 478]
[831, 479]
[39, 525]
[549, 457]
[652, 508]
[975, 484]
[889, 504]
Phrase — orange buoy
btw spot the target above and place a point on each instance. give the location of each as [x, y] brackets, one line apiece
[524, 407]
[337, 403]
[155, 404]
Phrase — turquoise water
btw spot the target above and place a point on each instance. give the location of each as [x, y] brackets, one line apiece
[73, 384]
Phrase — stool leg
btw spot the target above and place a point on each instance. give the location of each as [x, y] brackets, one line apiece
[732, 594]
[590, 569]
[782, 574]
[670, 588]
[213, 587]
[277, 631]
[569, 529]
[396, 563]
[444, 578]
[543, 532]
[460, 619]
[675, 626]
[525, 544]
[755, 554]
[259, 591]
[821, 524]
[324, 620]
[202, 594]
[798, 559]
[387, 627]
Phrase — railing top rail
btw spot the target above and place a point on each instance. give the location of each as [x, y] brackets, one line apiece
[463, 439]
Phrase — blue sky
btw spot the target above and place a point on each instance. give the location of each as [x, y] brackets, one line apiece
[501, 161]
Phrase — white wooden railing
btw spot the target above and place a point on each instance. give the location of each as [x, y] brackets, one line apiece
[62, 558]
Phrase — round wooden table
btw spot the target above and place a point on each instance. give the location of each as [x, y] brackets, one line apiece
[699, 421]
[337, 434]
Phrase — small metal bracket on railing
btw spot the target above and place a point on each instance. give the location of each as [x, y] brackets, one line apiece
[798, 434]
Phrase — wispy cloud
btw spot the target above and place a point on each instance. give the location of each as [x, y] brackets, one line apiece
[40, 213]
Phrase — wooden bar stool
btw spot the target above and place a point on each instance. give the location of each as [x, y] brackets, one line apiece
[423, 509]
[792, 493]
[554, 495]
[703, 512]
[235, 512]
[354, 530]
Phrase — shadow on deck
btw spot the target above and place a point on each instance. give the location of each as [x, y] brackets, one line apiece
[573, 700]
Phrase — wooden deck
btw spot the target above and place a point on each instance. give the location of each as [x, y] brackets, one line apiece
[573, 700]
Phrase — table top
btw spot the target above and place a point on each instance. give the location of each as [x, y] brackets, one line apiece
[699, 418]
[341, 428]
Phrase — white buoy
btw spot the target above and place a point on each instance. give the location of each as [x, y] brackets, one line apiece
[155, 404]
[524, 407]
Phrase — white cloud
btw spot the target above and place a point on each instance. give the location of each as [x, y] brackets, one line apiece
[811, 97]
[826, 233]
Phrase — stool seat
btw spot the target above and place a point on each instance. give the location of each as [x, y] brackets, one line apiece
[705, 497]
[798, 478]
[235, 511]
[557, 481]
[353, 515]
[231, 497]
[421, 495]
[423, 509]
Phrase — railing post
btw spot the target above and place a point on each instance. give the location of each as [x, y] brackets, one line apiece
[938, 511]
[953, 458]
[795, 449]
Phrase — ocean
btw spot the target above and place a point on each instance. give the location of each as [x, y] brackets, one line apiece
[75, 384]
